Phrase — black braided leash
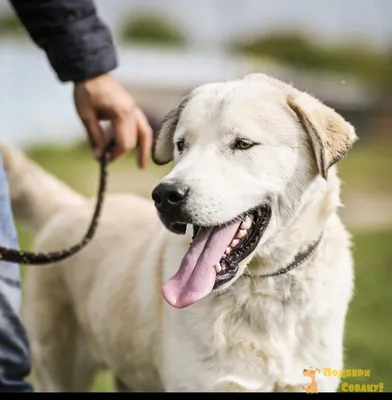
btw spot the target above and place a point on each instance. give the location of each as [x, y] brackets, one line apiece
[31, 258]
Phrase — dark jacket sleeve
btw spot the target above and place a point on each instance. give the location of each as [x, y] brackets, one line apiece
[77, 43]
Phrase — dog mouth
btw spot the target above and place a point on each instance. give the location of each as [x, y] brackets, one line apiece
[245, 240]
[213, 257]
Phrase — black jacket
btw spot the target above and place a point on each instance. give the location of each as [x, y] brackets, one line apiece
[77, 43]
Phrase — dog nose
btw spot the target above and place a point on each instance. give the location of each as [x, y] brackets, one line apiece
[169, 195]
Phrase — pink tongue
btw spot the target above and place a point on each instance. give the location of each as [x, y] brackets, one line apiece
[196, 276]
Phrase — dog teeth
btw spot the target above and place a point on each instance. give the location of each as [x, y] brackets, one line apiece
[218, 268]
[241, 233]
[234, 242]
[228, 250]
[247, 223]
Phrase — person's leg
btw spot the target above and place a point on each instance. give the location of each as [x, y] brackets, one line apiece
[14, 349]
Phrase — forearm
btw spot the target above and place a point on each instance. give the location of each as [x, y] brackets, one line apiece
[77, 43]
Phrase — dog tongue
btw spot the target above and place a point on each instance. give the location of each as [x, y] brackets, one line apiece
[196, 276]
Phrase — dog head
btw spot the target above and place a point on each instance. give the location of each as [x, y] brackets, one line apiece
[310, 372]
[239, 148]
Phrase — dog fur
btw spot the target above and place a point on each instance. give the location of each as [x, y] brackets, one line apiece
[103, 308]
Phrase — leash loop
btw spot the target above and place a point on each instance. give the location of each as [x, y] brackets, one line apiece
[32, 258]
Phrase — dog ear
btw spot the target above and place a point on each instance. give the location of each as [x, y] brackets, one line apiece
[162, 149]
[331, 136]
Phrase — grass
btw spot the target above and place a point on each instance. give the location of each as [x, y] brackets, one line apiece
[368, 170]
[369, 324]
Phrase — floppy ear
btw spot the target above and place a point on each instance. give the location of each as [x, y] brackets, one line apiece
[331, 136]
[162, 149]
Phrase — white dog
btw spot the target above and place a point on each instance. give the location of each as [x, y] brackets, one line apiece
[255, 189]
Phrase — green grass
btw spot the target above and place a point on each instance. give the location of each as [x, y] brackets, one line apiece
[368, 168]
[368, 332]
[369, 324]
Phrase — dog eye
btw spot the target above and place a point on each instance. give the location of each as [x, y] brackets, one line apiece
[180, 145]
[242, 144]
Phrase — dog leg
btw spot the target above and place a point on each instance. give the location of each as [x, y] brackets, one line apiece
[60, 357]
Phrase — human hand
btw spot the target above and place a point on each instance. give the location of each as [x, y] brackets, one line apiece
[104, 99]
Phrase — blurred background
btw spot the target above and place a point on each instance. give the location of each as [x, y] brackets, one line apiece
[339, 51]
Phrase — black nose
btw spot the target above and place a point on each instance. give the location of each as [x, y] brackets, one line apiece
[169, 195]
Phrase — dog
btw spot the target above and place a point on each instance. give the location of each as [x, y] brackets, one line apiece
[311, 373]
[235, 277]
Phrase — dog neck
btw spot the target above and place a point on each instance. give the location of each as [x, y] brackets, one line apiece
[297, 242]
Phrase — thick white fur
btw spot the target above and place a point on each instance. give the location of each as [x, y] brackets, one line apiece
[104, 308]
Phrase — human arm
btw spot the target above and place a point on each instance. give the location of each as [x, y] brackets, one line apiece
[80, 49]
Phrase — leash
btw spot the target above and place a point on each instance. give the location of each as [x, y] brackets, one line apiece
[31, 258]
